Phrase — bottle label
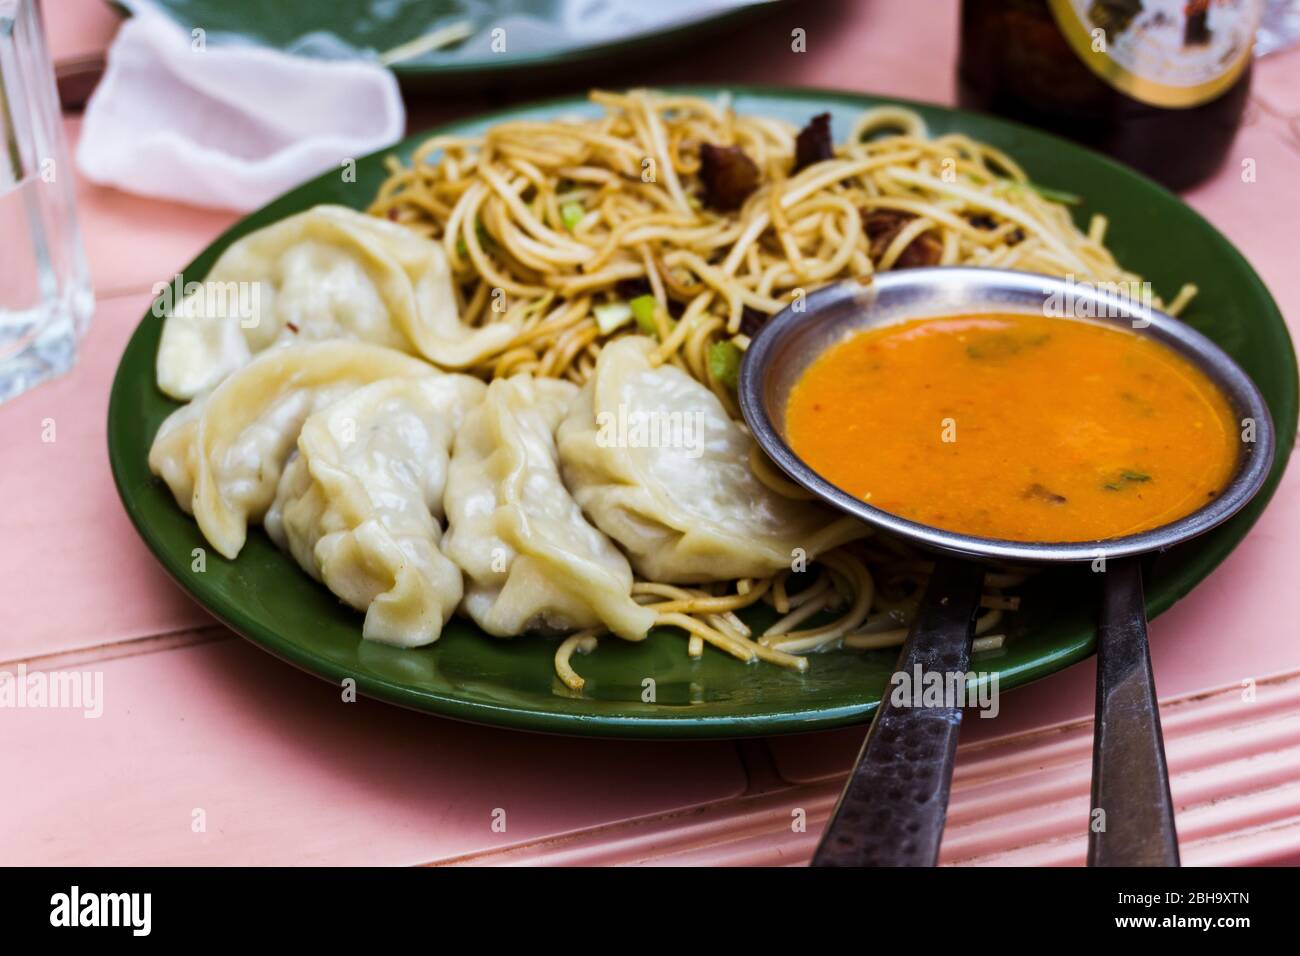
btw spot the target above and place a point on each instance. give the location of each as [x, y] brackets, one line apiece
[1170, 53]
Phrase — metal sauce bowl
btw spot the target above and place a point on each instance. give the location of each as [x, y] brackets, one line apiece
[885, 817]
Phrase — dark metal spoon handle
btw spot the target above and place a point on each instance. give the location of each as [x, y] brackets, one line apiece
[1130, 779]
[894, 805]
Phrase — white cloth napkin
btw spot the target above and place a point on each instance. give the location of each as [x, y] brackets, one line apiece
[228, 126]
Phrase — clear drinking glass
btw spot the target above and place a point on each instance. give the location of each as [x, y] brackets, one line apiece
[45, 294]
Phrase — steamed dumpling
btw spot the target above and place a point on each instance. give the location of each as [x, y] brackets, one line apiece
[326, 273]
[658, 465]
[531, 559]
[359, 506]
[222, 455]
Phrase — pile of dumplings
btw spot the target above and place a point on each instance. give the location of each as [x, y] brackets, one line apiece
[411, 491]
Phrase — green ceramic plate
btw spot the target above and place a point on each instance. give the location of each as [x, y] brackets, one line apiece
[264, 596]
[382, 25]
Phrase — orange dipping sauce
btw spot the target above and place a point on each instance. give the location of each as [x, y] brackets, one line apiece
[1020, 427]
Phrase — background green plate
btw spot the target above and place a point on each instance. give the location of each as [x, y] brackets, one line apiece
[264, 596]
[381, 25]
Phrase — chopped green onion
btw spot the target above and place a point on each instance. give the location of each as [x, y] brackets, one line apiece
[485, 240]
[571, 213]
[1056, 195]
[724, 363]
[1053, 195]
[643, 310]
[612, 315]
[1126, 477]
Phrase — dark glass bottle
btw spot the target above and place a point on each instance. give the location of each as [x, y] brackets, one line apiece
[1158, 85]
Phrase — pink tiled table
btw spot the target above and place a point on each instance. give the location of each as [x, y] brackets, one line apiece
[200, 726]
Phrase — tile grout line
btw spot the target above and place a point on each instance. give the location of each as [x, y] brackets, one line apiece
[102, 296]
[1078, 723]
[692, 817]
[125, 648]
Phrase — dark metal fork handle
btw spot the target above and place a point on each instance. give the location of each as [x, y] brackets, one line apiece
[1130, 779]
[894, 805]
